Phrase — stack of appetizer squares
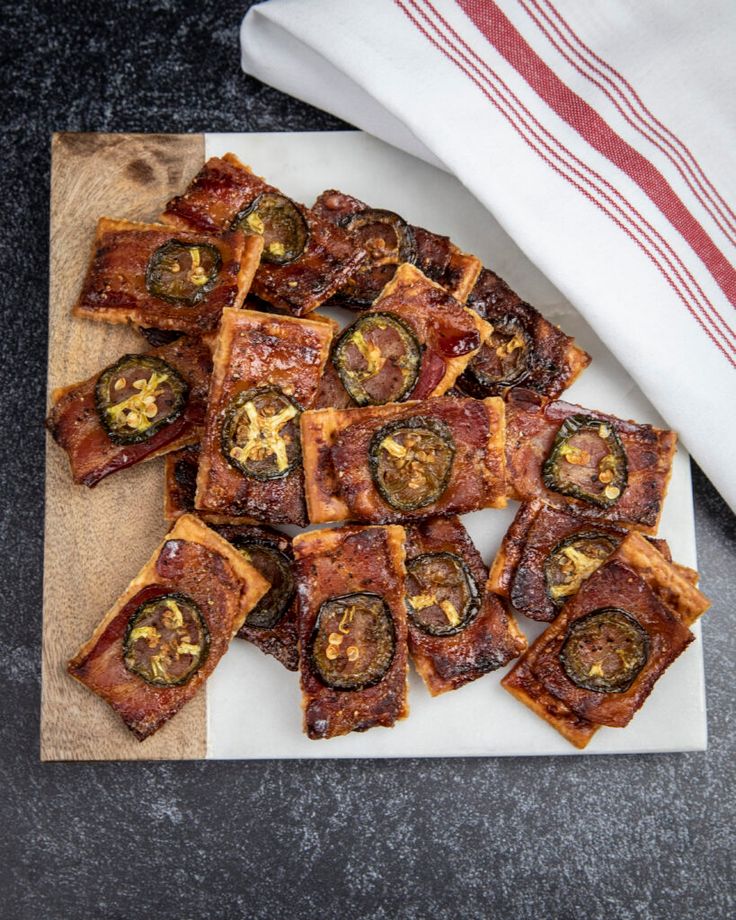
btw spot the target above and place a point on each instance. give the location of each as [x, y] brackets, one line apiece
[440, 398]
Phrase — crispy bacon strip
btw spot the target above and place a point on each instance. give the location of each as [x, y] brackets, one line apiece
[75, 425]
[194, 561]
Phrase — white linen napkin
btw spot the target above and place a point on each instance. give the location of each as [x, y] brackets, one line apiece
[599, 133]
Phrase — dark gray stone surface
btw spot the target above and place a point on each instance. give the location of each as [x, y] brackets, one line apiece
[628, 838]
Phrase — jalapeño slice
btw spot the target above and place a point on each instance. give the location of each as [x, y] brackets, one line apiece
[353, 642]
[442, 596]
[378, 359]
[605, 650]
[260, 436]
[137, 396]
[281, 224]
[389, 241]
[166, 641]
[411, 461]
[587, 461]
[276, 569]
[183, 273]
[503, 361]
[573, 560]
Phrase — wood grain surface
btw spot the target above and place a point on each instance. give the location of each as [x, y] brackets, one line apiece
[97, 539]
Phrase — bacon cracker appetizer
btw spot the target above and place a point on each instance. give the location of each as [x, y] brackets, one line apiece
[524, 350]
[140, 407]
[404, 461]
[153, 276]
[599, 660]
[271, 624]
[412, 343]
[266, 371]
[164, 636]
[458, 630]
[547, 554]
[352, 629]
[599, 466]
[389, 241]
[305, 258]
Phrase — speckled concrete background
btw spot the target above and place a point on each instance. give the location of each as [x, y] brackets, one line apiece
[628, 838]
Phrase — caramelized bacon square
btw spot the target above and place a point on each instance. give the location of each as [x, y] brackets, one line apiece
[547, 554]
[404, 461]
[165, 635]
[225, 193]
[601, 467]
[154, 276]
[266, 371]
[524, 350]
[412, 343]
[458, 630]
[75, 419]
[599, 661]
[352, 629]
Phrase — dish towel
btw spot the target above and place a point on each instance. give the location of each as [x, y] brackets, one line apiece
[599, 133]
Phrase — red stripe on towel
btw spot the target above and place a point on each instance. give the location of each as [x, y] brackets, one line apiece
[534, 141]
[508, 41]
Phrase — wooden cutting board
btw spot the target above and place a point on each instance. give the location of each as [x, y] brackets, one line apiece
[97, 539]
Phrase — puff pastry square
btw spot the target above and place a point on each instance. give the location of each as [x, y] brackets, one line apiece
[547, 554]
[256, 354]
[656, 604]
[535, 430]
[449, 646]
[75, 424]
[435, 256]
[118, 287]
[272, 624]
[352, 629]
[340, 451]
[525, 349]
[449, 336]
[195, 566]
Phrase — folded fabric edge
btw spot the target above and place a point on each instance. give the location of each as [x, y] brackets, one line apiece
[268, 53]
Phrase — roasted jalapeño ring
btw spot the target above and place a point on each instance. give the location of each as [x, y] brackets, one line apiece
[137, 396]
[503, 360]
[260, 434]
[604, 650]
[183, 273]
[276, 568]
[166, 640]
[388, 240]
[281, 224]
[411, 461]
[442, 596]
[378, 359]
[573, 560]
[587, 461]
[353, 641]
